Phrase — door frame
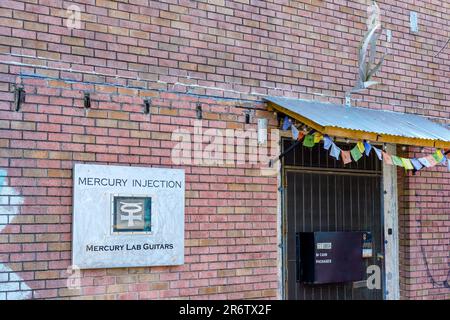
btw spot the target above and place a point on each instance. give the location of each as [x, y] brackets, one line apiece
[390, 275]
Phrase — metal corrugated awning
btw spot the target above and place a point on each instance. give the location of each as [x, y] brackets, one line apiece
[361, 123]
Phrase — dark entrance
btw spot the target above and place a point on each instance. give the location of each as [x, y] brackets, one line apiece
[321, 194]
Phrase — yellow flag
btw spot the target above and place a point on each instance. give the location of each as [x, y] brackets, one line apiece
[360, 146]
[317, 137]
[407, 164]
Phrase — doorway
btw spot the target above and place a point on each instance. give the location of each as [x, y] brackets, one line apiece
[321, 194]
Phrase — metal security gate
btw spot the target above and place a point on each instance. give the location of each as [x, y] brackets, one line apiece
[323, 195]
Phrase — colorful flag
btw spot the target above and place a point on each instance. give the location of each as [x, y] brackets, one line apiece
[360, 146]
[356, 153]
[438, 156]
[431, 160]
[387, 158]
[416, 163]
[367, 147]
[448, 165]
[378, 152]
[397, 161]
[317, 137]
[301, 135]
[335, 151]
[444, 160]
[407, 164]
[295, 132]
[425, 162]
[327, 142]
[346, 156]
[286, 123]
[309, 141]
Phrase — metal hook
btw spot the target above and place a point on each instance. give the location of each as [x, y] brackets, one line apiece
[19, 97]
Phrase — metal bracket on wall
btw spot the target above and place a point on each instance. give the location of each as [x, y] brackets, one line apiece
[199, 111]
[292, 147]
[19, 97]
[87, 100]
[248, 114]
[348, 99]
[147, 103]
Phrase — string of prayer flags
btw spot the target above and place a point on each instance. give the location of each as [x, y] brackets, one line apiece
[367, 147]
[346, 156]
[327, 142]
[378, 152]
[363, 147]
[295, 132]
[309, 141]
[356, 153]
[387, 158]
[416, 163]
[407, 164]
[286, 123]
[335, 151]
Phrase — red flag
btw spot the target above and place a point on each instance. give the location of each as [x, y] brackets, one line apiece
[387, 158]
[346, 157]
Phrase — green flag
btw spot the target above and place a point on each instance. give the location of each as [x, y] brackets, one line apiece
[438, 156]
[356, 154]
[397, 161]
[309, 141]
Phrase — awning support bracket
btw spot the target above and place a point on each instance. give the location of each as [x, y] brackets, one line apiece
[285, 152]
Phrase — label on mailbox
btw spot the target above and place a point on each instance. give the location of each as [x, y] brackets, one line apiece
[324, 246]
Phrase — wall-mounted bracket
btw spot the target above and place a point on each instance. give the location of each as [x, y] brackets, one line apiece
[348, 99]
[199, 111]
[19, 97]
[147, 104]
[87, 100]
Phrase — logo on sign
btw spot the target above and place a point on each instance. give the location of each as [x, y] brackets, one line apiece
[130, 209]
[132, 214]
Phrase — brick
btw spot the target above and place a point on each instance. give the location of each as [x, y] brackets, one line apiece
[84, 156]
[59, 173]
[34, 172]
[35, 154]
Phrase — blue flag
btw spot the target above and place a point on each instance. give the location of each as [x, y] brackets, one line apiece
[295, 132]
[335, 151]
[327, 142]
[425, 162]
[416, 163]
[286, 123]
[367, 148]
[378, 152]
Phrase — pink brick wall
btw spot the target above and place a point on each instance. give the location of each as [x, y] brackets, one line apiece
[424, 234]
[231, 212]
[177, 50]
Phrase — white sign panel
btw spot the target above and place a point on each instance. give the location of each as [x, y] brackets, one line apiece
[127, 216]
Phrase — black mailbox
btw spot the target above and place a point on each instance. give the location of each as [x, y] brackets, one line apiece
[331, 257]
